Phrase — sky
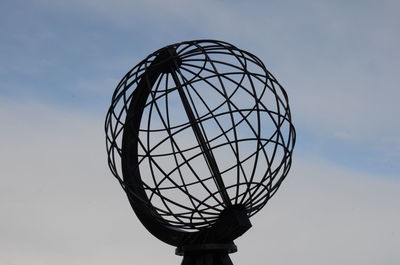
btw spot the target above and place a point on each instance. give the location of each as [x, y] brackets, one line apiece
[338, 61]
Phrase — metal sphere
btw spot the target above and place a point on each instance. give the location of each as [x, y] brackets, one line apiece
[221, 138]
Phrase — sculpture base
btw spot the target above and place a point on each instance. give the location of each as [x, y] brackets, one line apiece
[206, 254]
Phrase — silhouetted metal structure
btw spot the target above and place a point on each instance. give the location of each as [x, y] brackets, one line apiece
[200, 137]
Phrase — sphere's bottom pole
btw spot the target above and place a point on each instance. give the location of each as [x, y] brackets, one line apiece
[207, 254]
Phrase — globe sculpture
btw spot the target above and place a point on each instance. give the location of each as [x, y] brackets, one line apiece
[200, 137]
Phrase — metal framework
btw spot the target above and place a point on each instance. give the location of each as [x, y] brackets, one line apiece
[196, 132]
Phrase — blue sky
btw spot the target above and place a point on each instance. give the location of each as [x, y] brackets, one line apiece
[60, 61]
[336, 60]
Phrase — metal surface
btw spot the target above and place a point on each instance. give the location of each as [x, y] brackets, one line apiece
[196, 132]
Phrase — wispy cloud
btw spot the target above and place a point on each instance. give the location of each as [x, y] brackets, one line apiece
[339, 62]
[61, 205]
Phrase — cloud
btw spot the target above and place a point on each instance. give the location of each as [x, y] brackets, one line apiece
[61, 205]
[59, 200]
[325, 214]
[338, 61]
[96, 86]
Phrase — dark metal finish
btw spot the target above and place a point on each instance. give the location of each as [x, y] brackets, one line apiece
[205, 254]
[204, 146]
[199, 135]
